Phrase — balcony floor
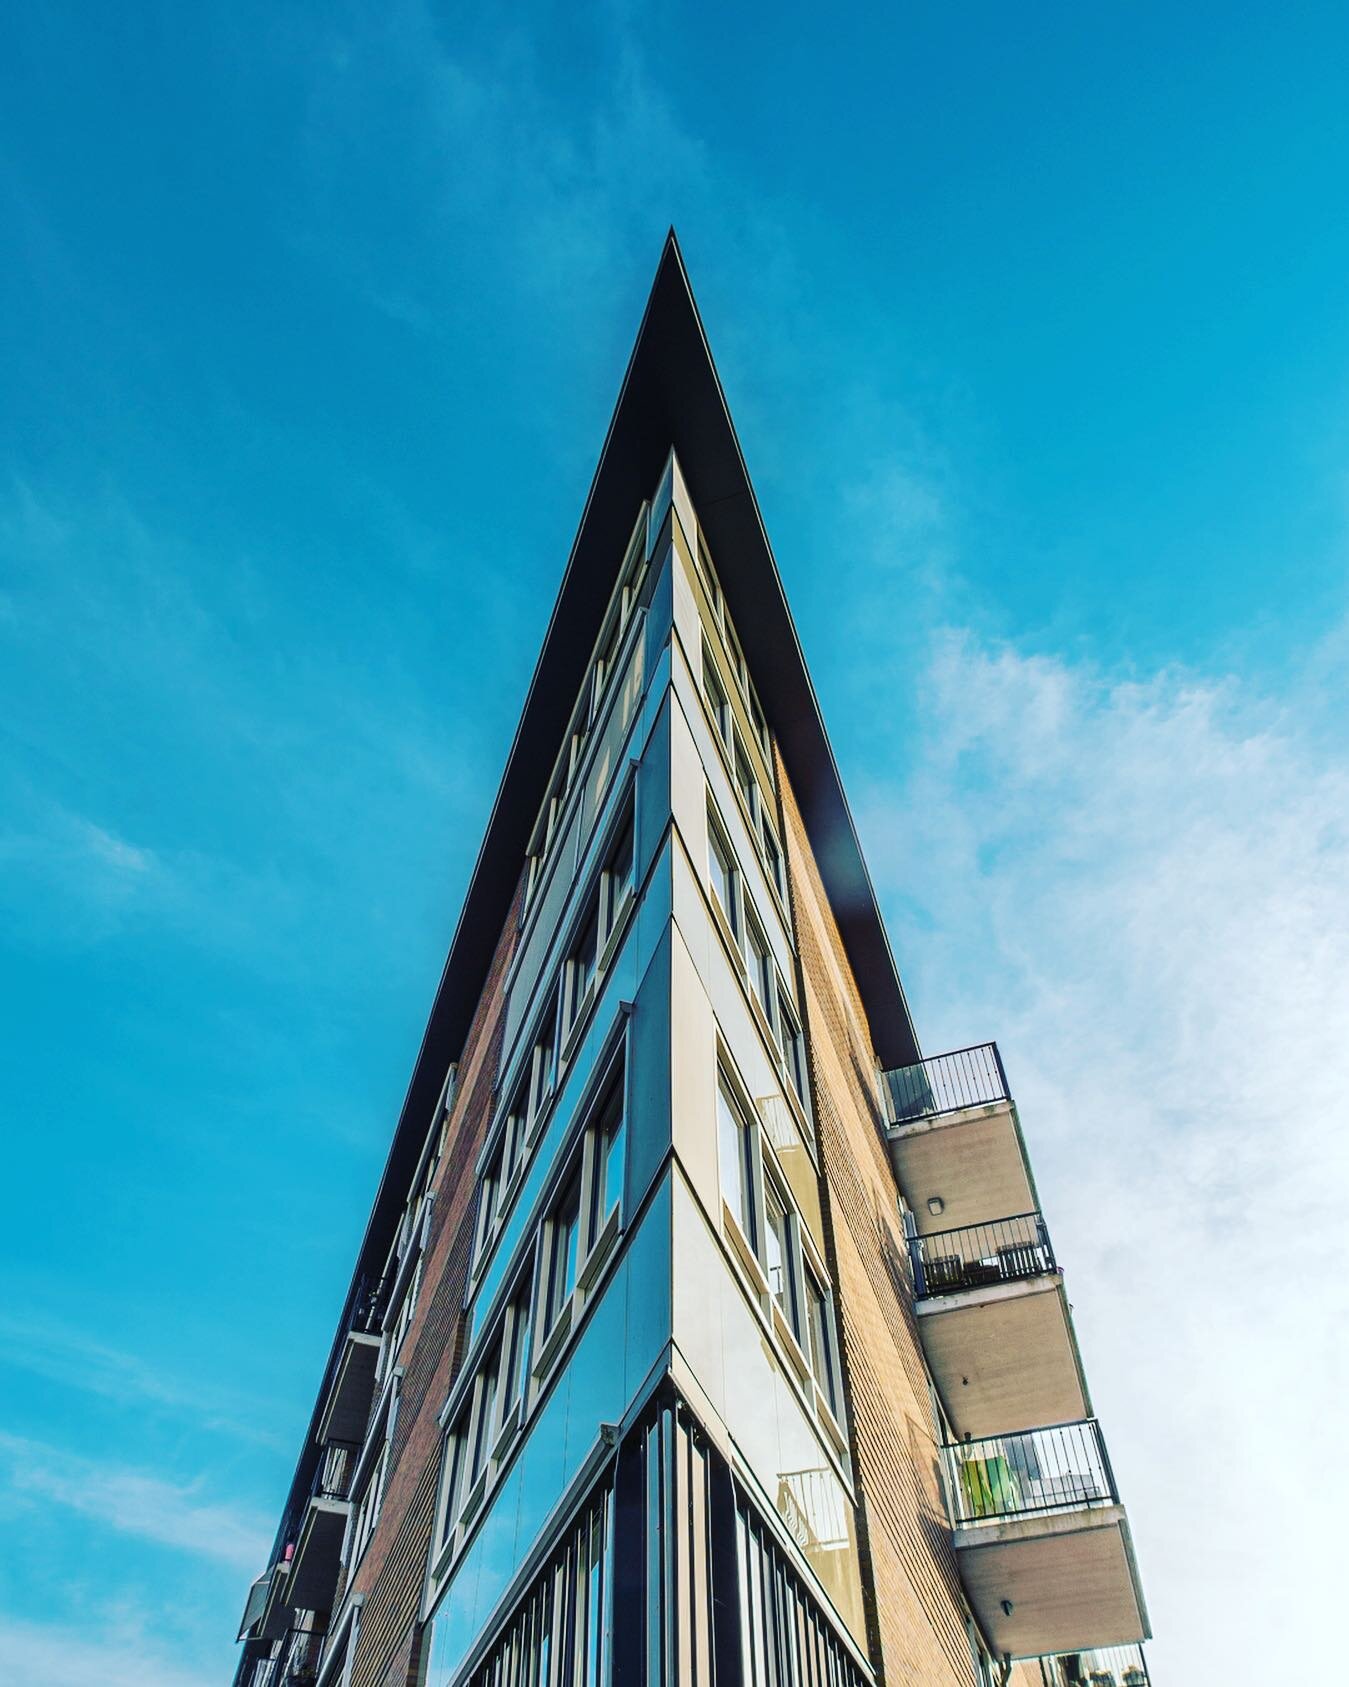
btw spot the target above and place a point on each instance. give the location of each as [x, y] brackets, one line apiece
[1069, 1576]
[973, 1161]
[1004, 1358]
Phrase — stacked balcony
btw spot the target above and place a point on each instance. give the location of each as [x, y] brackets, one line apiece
[1041, 1538]
[1105, 1666]
[316, 1563]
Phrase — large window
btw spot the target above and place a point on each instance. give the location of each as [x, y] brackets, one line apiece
[582, 960]
[735, 1147]
[594, 689]
[724, 874]
[759, 965]
[564, 1240]
[823, 1353]
[786, 1274]
[616, 881]
[563, 1616]
[559, 1268]
[793, 1049]
[608, 1144]
[780, 1255]
[543, 1063]
[717, 701]
[484, 1415]
[368, 1509]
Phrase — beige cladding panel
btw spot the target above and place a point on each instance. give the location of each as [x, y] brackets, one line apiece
[916, 1613]
[974, 1164]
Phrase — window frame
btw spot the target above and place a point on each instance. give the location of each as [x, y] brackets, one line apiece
[720, 848]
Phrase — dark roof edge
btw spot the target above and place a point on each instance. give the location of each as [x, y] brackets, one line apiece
[671, 395]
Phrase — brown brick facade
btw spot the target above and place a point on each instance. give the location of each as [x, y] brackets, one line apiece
[915, 1610]
[392, 1571]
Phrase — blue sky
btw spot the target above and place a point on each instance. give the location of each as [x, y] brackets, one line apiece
[312, 317]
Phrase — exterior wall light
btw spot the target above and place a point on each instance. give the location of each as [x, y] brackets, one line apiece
[935, 1205]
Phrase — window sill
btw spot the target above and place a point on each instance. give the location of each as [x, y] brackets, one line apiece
[791, 1346]
[510, 1428]
[597, 1257]
[473, 1501]
[615, 933]
[745, 1256]
[828, 1422]
[761, 1019]
[722, 921]
[556, 1339]
[571, 1037]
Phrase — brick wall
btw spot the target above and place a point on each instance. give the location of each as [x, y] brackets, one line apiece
[392, 1571]
[914, 1607]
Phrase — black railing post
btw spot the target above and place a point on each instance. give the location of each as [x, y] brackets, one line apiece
[1002, 1073]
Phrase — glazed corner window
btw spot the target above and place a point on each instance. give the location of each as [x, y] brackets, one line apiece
[760, 725]
[735, 1152]
[607, 1157]
[780, 1255]
[717, 700]
[793, 1053]
[604, 661]
[484, 1415]
[560, 1271]
[823, 1360]
[452, 1473]
[772, 857]
[367, 1510]
[617, 883]
[744, 778]
[721, 866]
[543, 1072]
[759, 965]
[514, 1353]
[487, 1204]
[581, 962]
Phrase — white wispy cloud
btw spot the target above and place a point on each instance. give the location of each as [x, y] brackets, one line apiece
[113, 1654]
[44, 1346]
[134, 1502]
[1140, 887]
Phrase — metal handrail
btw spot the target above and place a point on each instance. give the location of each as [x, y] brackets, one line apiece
[974, 1256]
[946, 1083]
[1102, 1666]
[1064, 1468]
[332, 1478]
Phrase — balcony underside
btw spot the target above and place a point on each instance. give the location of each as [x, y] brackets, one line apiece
[1004, 1358]
[1069, 1578]
[314, 1568]
[348, 1409]
[971, 1163]
[275, 1616]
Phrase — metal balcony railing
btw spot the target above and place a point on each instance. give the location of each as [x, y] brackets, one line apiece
[977, 1255]
[1105, 1666]
[947, 1082]
[301, 1659]
[332, 1479]
[1002, 1476]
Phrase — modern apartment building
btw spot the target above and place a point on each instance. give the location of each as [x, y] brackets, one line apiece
[703, 1331]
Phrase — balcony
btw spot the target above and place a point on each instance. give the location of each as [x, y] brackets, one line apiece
[995, 1326]
[1043, 1542]
[316, 1561]
[264, 1615]
[347, 1409]
[955, 1142]
[1108, 1666]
